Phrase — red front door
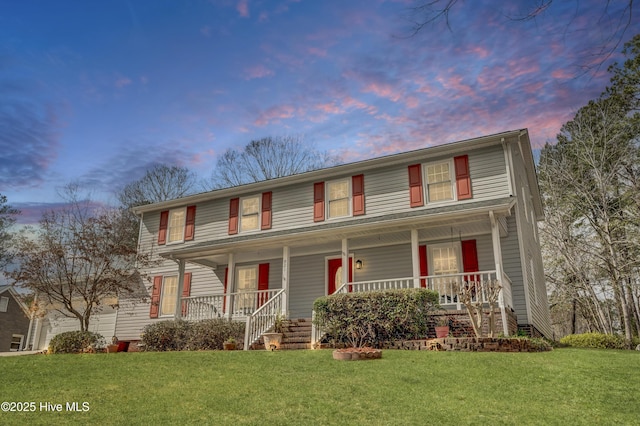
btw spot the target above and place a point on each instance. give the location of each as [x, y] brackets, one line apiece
[334, 274]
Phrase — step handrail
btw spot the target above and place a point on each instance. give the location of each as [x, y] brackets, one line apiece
[263, 319]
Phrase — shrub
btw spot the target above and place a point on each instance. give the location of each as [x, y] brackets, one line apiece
[180, 335]
[169, 335]
[71, 342]
[211, 333]
[368, 319]
[597, 341]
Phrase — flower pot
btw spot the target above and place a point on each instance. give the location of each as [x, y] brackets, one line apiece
[442, 332]
[229, 346]
[272, 341]
[112, 349]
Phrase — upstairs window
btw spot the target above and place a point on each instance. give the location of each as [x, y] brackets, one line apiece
[439, 182]
[4, 304]
[177, 225]
[338, 198]
[250, 214]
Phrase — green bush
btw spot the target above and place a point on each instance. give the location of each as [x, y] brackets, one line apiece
[211, 334]
[180, 335]
[597, 341]
[72, 342]
[368, 319]
[170, 335]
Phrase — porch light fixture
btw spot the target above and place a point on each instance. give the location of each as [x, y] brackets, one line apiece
[358, 264]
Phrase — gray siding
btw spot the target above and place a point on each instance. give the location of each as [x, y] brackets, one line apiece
[306, 284]
[13, 321]
[513, 268]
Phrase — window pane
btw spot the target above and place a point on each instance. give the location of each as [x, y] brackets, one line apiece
[176, 225]
[4, 303]
[338, 190]
[169, 292]
[247, 282]
[338, 208]
[250, 205]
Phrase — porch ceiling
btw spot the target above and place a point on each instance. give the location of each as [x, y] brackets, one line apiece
[433, 224]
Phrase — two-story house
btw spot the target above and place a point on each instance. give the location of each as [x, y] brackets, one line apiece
[420, 218]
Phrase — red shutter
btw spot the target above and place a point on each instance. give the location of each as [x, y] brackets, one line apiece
[164, 224]
[266, 210]
[224, 299]
[424, 271]
[155, 297]
[470, 259]
[234, 206]
[263, 283]
[186, 291]
[190, 223]
[416, 193]
[318, 201]
[357, 184]
[463, 180]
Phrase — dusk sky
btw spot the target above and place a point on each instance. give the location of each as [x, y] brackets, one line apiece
[98, 91]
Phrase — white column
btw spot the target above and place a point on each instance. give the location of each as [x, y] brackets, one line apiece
[178, 313]
[230, 284]
[415, 258]
[345, 260]
[286, 256]
[497, 257]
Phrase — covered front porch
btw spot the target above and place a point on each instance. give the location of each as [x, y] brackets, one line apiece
[428, 252]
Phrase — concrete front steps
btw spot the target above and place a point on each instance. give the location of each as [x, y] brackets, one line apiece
[297, 335]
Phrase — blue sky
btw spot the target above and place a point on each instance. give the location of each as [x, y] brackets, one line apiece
[97, 92]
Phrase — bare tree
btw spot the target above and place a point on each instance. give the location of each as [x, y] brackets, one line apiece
[160, 183]
[78, 258]
[427, 13]
[268, 158]
[7, 218]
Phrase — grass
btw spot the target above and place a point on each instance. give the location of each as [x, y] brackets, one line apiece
[565, 386]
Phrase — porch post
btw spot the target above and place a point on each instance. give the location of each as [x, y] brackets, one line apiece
[286, 255]
[230, 284]
[178, 312]
[497, 256]
[415, 258]
[345, 261]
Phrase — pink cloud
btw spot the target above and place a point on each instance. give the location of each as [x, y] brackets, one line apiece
[258, 71]
[562, 74]
[243, 8]
[412, 102]
[122, 82]
[329, 108]
[317, 52]
[275, 113]
[383, 90]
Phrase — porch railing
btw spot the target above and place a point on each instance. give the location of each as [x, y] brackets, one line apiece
[446, 285]
[263, 318]
[242, 304]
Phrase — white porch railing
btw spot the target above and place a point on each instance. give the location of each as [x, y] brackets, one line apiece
[242, 304]
[263, 318]
[446, 285]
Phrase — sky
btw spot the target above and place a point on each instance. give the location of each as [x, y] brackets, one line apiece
[97, 92]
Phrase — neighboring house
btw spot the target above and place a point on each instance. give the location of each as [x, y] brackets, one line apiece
[53, 322]
[14, 320]
[421, 218]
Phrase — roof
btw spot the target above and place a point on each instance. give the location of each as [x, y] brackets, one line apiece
[517, 136]
[16, 297]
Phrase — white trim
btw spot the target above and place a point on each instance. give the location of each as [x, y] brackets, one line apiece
[258, 214]
[452, 180]
[349, 198]
[20, 345]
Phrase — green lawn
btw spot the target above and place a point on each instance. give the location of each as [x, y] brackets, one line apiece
[565, 386]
